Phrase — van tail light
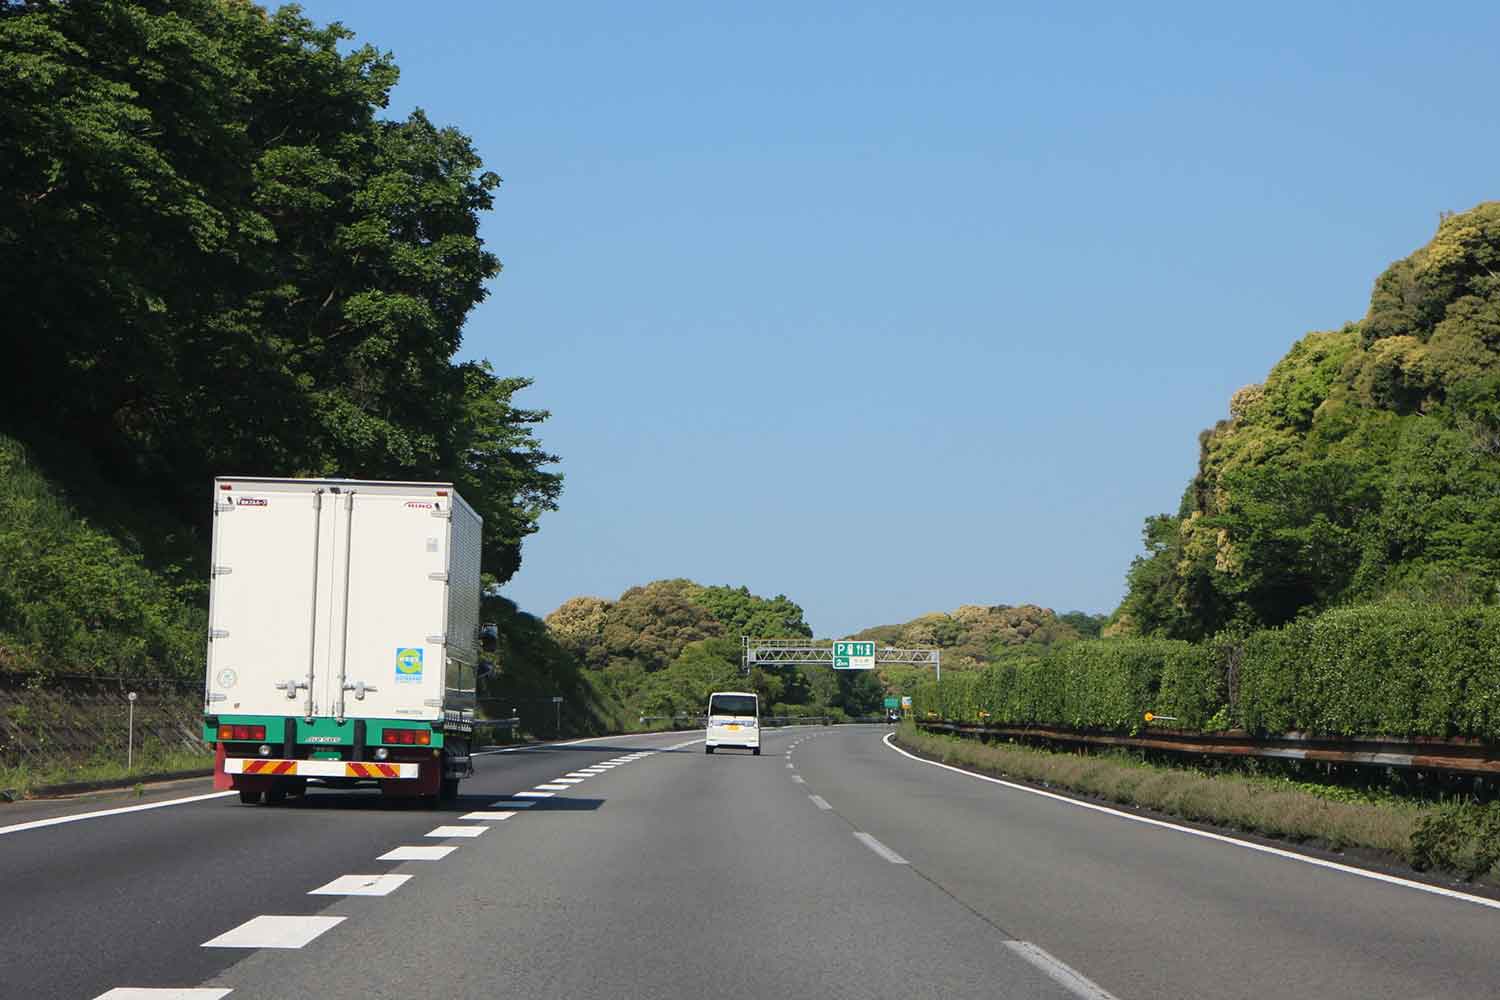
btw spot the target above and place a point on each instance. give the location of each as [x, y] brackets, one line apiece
[243, 733]
[407, 737]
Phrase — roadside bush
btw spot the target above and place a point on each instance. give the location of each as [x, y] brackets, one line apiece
[1385, 669]
[1463, 838]
[73, 599]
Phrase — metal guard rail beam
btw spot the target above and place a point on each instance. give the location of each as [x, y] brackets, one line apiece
[1424, 753]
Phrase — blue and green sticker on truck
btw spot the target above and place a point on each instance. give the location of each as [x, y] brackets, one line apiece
[408, 664]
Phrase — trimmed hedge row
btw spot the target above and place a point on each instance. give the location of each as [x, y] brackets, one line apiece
[1397, 670]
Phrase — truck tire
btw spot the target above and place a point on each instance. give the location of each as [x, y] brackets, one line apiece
[708, 749]
[755, 751]
[248, 797]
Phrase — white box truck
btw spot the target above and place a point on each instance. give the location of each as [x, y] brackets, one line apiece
[344, 636]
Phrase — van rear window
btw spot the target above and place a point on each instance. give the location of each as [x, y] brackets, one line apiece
[732, 704]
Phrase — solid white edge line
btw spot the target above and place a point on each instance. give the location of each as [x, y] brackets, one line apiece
[1059, 972]
[799, 779]
[880, 849]
[820, 802]
[1406, 883]
[37, 824]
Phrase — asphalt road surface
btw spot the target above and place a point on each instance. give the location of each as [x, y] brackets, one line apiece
[830, 866]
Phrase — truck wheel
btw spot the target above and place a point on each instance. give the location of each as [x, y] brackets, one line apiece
[448, 791]
[755, 751]
[708, 749]
[248, 797]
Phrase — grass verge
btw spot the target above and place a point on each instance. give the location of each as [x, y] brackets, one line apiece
[1458, 837]
[24, 778]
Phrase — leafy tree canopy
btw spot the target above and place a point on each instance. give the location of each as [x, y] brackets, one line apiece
[1366, 466]
[223, 259]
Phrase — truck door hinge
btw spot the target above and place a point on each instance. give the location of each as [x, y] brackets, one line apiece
[218, 633]
[443, 514]
[222, 571]
[439, 577]
[359, 688]
[291, 687]
[437, 640]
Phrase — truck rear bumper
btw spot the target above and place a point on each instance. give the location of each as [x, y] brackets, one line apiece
[274, 768]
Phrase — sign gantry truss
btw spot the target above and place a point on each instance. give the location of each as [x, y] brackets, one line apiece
[771, 652]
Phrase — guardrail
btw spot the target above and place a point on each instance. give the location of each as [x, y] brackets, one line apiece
[1470, 757]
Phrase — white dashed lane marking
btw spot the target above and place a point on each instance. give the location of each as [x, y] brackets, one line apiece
[799, 779]
[136, 993]
[511, 804]
[553, 786]
[274, 932]
[417, 854]
[567, 781]
[1060, 972]
[820, 802]
[362, 885]
[534, 795]
[484, 815]
[880, 849]
[456, 831]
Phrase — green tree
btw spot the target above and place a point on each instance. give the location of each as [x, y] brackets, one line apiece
[224, 259]
[742, 613]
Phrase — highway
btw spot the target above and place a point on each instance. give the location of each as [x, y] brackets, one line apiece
[832, 865]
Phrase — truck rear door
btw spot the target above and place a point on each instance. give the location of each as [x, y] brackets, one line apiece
[268, 591]
[387, 658]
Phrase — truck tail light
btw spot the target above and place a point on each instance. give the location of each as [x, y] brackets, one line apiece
[245, 733]
[408, 737]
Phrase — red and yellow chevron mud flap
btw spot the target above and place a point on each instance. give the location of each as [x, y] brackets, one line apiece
[272, 768]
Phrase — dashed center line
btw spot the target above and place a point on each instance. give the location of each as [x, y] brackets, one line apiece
[172, 993]
[820, 802]
[457, 831]
[362, 885]
[566, 781]
[553, 787]
[880, 849]
[1060, 972]
[485, 815]
[533, 795]
[274, 932]
[414, 853]
[799, 779]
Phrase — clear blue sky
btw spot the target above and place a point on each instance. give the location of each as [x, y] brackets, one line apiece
[893, 308]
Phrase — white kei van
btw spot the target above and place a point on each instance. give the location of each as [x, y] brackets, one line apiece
[733, 721]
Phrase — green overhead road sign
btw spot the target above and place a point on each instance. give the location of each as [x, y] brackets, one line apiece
[853, 655]
[891, 703]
